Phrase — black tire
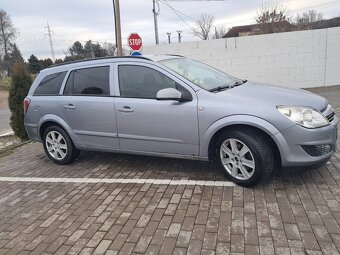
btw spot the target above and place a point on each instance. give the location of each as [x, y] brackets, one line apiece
[71, 152]
[76, 154]
[261, 152]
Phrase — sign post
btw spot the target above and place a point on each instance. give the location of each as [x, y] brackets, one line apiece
[135, 42]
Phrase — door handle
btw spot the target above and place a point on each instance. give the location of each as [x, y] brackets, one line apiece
[69, 107]
[126, 109]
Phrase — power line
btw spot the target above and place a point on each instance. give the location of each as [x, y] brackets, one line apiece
[174, 9]
[177, 13]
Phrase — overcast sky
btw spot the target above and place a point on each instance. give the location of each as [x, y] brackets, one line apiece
[72, 20]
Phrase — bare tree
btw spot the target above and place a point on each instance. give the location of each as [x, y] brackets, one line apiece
[7, 32]
[219, 32]
[202, 26]
[308, 17]
[272, 18]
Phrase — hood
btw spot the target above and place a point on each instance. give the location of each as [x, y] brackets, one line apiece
[274, 96]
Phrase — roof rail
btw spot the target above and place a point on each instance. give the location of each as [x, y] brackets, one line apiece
[99, 58]
[175, 55]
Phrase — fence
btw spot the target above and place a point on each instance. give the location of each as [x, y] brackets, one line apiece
[301, 59]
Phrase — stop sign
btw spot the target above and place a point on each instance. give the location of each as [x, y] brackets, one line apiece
[135, 42]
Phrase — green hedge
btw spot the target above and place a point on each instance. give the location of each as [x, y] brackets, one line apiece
[21, 82]
[5, 83]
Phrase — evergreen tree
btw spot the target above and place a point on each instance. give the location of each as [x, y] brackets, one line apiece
[94, 50]
[21, 82]
[89, 50]
[77, 51]
[33, 64]
[48, 62]
[44, 63]
[14, 57]
[58, 61]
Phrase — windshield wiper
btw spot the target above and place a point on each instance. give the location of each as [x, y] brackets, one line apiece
[224, 87]
[240, 82]
[220, 88]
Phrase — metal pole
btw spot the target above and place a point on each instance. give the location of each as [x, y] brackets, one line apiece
[179, 35]
[118, 31]
[155, 14]
[49, 33]
[169, 37]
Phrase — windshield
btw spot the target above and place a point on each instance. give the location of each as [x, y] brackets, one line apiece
[200, 74]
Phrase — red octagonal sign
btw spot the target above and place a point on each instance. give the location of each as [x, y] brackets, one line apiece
[135, 42]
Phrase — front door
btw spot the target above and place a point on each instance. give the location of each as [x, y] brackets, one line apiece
[148, 125]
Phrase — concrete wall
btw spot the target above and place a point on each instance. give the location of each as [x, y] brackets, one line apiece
[296, 59]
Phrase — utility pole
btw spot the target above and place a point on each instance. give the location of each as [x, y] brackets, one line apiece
[49, 34]
[155, 14]
[118, 31]
[169, 37]
[179, 36]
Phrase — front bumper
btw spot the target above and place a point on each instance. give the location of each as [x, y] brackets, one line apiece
[291, 140]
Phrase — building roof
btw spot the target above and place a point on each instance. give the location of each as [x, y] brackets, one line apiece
[235, 31]
[326, 23]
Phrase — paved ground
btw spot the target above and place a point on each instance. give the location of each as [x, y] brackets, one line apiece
[5, 114]
[122, 204]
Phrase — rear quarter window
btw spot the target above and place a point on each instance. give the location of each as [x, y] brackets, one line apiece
[50, 85]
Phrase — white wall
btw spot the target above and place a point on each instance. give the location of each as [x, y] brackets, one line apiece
[295, 59]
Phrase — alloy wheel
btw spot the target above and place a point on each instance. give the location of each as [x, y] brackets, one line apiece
[56, 145]
[237, 159]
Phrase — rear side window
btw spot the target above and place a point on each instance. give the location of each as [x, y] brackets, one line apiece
[89, 81]
[50, 85]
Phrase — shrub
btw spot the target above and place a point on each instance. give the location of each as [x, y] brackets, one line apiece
[5, 83]
[21, 82]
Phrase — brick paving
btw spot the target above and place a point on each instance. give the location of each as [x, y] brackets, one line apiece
[295, 212]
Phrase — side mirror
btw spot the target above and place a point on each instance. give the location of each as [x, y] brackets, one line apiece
[169, 94]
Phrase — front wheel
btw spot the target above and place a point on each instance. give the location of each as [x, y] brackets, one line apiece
[245, 156]
[58, 146]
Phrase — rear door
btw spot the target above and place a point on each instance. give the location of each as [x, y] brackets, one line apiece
[148, 125]
[87, 106]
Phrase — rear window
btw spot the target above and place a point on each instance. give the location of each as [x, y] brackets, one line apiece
[89, 81]
[50, 85]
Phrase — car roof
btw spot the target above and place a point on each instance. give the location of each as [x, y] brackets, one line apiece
[101, 60]
[84, 63]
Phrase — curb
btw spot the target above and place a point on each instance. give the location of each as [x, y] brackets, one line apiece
[7, 134]
[11, 147]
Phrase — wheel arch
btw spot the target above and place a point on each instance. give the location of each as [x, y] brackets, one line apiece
[49, 120]
[251, 123]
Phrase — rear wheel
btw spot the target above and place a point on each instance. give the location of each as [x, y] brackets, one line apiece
[58, 146]
[246, 156]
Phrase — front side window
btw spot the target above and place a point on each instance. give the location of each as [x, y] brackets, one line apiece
[142, 82]
[92, 81]
[50, 85]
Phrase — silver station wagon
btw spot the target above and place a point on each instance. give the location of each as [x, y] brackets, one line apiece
[175, 107]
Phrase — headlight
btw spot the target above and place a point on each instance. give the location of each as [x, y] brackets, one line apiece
[306, 117]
